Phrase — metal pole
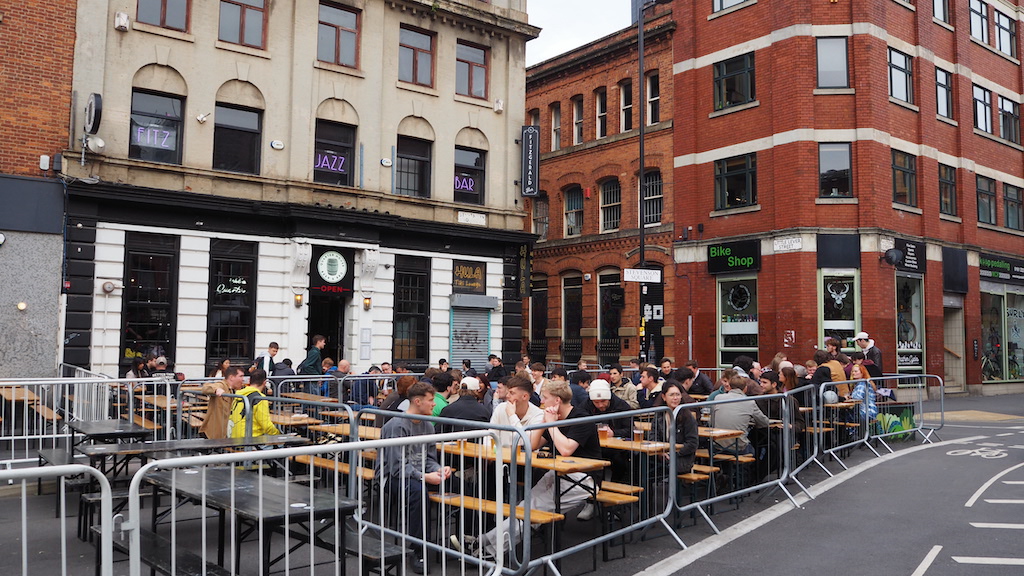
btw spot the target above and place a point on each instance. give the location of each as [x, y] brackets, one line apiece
[642, 104]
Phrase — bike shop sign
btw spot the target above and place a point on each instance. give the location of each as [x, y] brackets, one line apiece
[1003, 269]
[914, 258]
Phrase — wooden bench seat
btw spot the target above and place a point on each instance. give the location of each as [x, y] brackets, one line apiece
[46, 413]
[609, 498]
[491, 507]
[705, 469]
[156, 553]
[694, 477]
[374, 552]
[145, 423]
[703, 454]
[620, 488]
[364, 474]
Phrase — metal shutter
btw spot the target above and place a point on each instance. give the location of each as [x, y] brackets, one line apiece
[470, 337]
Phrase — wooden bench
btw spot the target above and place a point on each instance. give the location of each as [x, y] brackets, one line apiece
[491, 507]
[375, 554]
[46, 413]
[620, 488]
[91, 500]
[156, 553]
[344, 468]
[144, 422]
[703, 454]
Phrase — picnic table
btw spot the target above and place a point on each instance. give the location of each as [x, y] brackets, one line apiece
[363, 432]
[308, 397]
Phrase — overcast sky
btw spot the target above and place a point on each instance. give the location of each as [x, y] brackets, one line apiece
[567, 24]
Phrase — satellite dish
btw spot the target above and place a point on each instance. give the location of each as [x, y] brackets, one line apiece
[93, 113]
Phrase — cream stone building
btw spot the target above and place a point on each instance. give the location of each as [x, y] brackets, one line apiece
[260, 170]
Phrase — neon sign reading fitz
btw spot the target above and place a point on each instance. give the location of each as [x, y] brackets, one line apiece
[154, 137]
[331, 162]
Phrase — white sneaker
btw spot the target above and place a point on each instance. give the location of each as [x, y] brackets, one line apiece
[588, 512]
[466, 546]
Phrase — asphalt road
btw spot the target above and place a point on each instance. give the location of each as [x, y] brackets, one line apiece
[954, 508]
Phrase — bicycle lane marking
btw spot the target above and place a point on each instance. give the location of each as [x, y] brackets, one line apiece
[989, 484]
[676, 562]
[925, 564]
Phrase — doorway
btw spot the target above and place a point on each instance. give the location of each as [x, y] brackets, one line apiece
[953, 344]
[327, 317]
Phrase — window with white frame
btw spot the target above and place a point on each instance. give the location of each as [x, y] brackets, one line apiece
[577, 120]
[944, 93]
[540, 216]
[832, 63]
[1009, 120]
[982, 109]
[653, 197]
[625, 106]
[653, 99]
[573, 211]
[1006, 34]
[901, 76]
[556, 126]
[979, 20]
[839, 297]
[611, 204]
[940, 10]
[601, 112]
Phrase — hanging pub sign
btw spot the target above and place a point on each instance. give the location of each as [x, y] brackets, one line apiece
[530, 177]
[523, 271]
[734, 257]
[469, 277]
[1001, 268]
[331, 270]
[914, 257]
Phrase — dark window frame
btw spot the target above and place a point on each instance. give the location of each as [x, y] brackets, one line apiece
[412, 310]
[245, 10]
[334, 142]
[1006, 34]
[653, 98]
[904, 178]
[825, 42]
[228, 151]
[986, 188]
[727, 170]
[1013, 207]
[541, 211]
[477, 172]
[979, 19]
[226, 300]
[947, 190]
[982, 108]
[904, 70]
[940, 10]
[135, 151]
[413, 163]
[740, 81]
[1009, 120]
[944, 93]
[339, 31]
[148, 312]
[162, 23]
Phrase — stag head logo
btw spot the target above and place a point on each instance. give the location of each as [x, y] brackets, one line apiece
[839, 296]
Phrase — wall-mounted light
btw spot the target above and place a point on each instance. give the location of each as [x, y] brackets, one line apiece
[202, 117]
[367, 303]
[22, 306]
[298, 300]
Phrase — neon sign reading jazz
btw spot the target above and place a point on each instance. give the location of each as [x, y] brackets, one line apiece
[154, 137]
[330, 162]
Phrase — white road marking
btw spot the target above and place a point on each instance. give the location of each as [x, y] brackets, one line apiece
[1020, 447]
[997, 525]
[1005, 501]
[675, 562]
[927, 562]
[1013, 482]
[989, 560]
[1006, 434]
[988, 484]
[989, 443]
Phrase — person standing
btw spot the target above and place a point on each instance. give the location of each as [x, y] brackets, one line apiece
[265, 360]
[219, 409]
[261, 424]
[871, 352]
[404, 471]
[311, 366]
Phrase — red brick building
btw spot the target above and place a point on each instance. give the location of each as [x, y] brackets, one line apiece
[845, 167]
[587, 102]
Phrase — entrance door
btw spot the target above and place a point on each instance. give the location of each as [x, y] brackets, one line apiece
[954, 349]
[652, 306]
[327, 317]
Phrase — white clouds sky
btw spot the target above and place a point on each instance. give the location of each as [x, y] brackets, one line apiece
[568, 24]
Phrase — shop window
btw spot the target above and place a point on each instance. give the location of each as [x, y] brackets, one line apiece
[242, 22]
[653, 192]
[736, 182]
[839, 299]
[231, 318]
[909, 325]
[155, 127]
[236, 139]
[470, 70]
[334, 153]
[737, 308]
[470, 175]
[337, 35]
[834, 178]
[150, 295]
[412, 171]
[412, 309]
[611, 205]
[172, 14]
[993, 361]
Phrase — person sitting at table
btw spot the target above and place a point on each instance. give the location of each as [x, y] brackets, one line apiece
[720, 383]
[219, 371]
[579, 382]
[395, 398]
[622, 387]
[701, 383]
[444, 388]
[261, 424]
[218, 411]
[865, 391]
[770, 458]
[363, 393]
[685, 425]
[602, 402]
[467, 407]
[578, 440]
[404, 471]
[736, 416]
[648, 393]
[516, 410]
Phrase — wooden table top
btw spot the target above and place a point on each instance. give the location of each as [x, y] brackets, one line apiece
[644, 447]
[718, 433]
[161, 401]
[560, 464]
[364, 432]
[18, 394]
[293, 420]
[308, 397]
[344, 414]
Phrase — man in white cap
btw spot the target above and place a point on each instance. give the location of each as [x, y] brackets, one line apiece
[867, 345]
[602, 402]
[468, 406]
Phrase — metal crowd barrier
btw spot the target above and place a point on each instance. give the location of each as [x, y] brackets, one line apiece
[37, 554]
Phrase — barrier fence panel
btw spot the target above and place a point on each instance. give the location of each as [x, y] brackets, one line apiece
[41, 551]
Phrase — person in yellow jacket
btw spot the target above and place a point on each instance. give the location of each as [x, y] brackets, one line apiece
[261, 424]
